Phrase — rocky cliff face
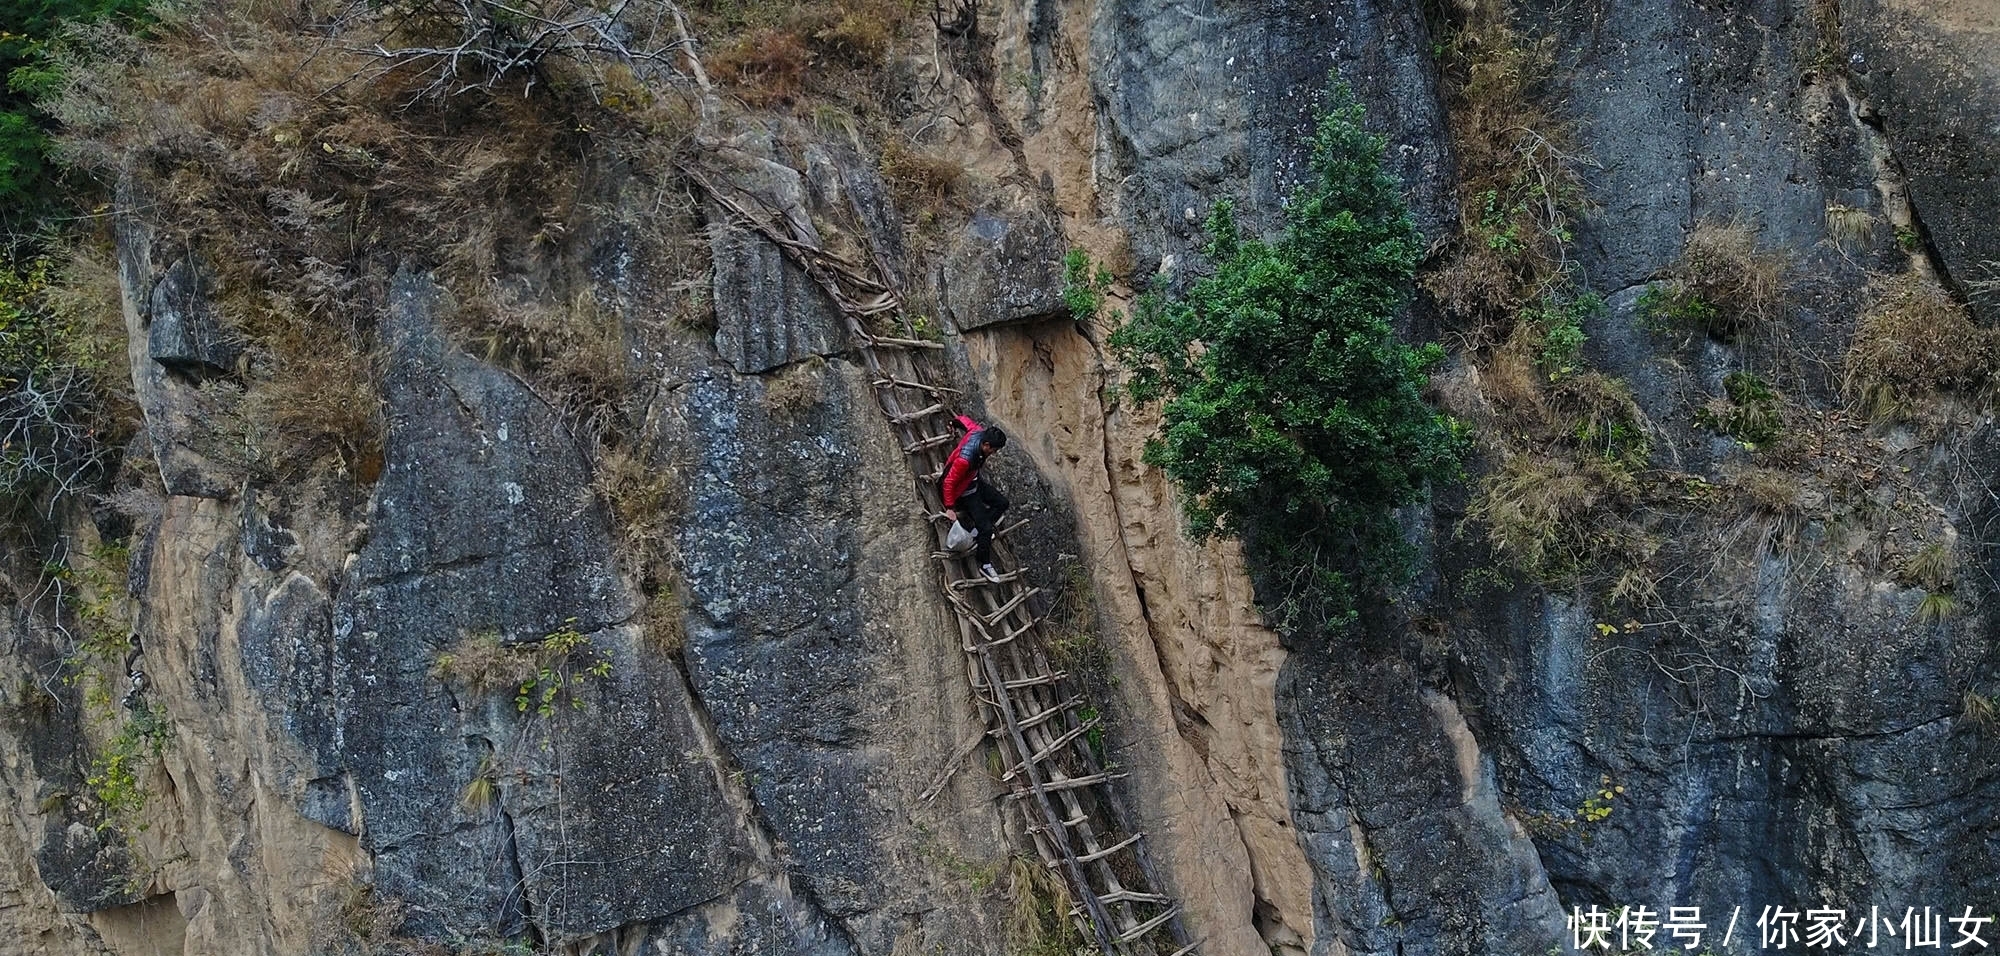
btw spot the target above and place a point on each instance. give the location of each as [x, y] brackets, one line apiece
[767, 745]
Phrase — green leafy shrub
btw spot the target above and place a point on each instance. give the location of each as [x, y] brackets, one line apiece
[1748, 413]
[114, 774]
[1084, 287]
[27, 178]
[1293, 418]
[1666, 305]
[564, 659]
[1558, 317]
[1722, 284]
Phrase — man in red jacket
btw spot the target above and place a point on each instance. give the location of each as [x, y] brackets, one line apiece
[983, 503]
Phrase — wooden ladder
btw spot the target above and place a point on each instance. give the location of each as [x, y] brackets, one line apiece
[1033, 711]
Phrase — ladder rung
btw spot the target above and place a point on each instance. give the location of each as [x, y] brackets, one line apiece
[979, 580]
[1185, 950]
[919, 413]
[994, 619]
[1132, 935]
[894, 382]
[1071, 783]
[1050, 749]
[1007, 638]
[1096, 855]
[931, 442]
[896, 343]
[1035, 681]
[1127, 896]
[1041, 718]
[1074, 821]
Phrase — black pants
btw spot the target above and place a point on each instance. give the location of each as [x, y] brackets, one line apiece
[980, 509]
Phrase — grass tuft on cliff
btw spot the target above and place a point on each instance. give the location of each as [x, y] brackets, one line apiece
[1293, 418]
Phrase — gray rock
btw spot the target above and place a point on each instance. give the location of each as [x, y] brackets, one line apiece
[1200, 107]
[266, 543]
[1003, 266]
[1930, 76]
[485, 522]
[86, 868]
[178, 416]
[768, 312]
[762, 918]
[1409, 855]
[775, 642]
[185, 333]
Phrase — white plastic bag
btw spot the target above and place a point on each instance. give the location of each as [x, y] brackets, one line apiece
[959, 539]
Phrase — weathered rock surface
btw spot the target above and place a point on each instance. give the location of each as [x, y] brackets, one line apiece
[1934, 87]
[178, 416]
[485, 523]
[1199, 107]
[186, 334]
[1005, 265]
[800, 776]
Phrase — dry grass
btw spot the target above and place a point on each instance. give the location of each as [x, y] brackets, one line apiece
[1932, 568]
[1982, 712]
[1038, 904]
[766, 68]
[919, 181]
[316, 396]
[268, 149]
[1913, 347]
[797, 388]
[573, 351]
[1518, 189]
[646, 500]
[1776, 505]
[355, 919]
[480, 662]
[781, 54]
[482, 793]
[1539, 513]
[1848, 225]
[1725, 284]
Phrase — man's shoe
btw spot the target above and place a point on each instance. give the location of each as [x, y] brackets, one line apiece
[991, 575]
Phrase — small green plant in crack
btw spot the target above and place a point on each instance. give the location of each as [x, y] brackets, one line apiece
[1501, 223]
[1095, 735]
[93, 590]
[544, 675]
[563, 660]
[1907, 239]
[1663, 306]
[1934, 568]
[1085, 285]
[1749, 414]
[924, 327]
[1559, 318]
[1596, 808]
[114, 775]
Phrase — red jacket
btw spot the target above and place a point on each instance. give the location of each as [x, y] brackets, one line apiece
[964, 469]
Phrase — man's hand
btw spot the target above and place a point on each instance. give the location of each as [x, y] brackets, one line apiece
[951, 513]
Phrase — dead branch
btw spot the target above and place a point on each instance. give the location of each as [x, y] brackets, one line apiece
[497, 42]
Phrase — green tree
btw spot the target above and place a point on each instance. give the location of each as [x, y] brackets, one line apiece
[1293, 417]
[28, 188]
